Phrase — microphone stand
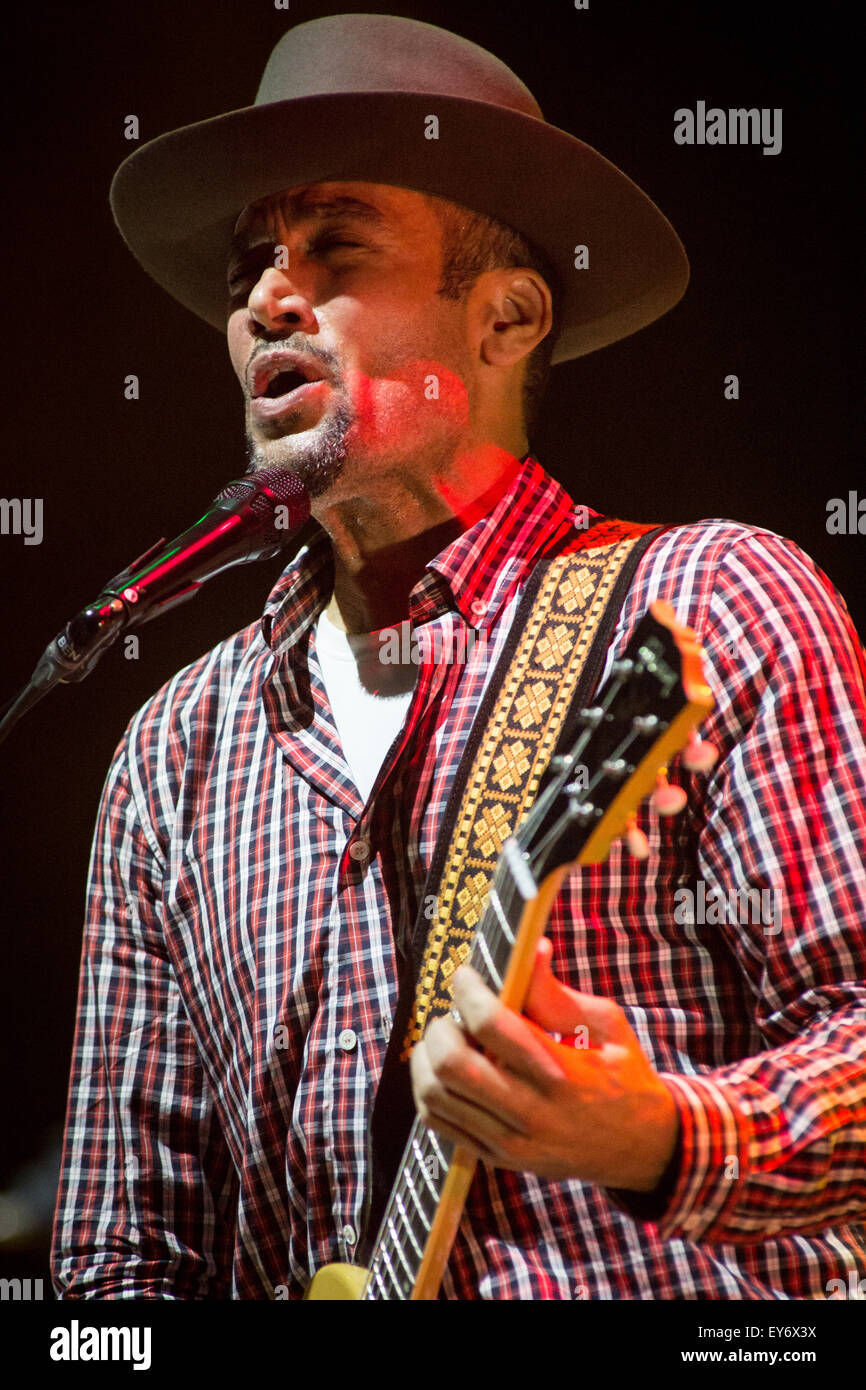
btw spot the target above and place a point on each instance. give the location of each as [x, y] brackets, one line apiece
[75, 651]
[239, 527]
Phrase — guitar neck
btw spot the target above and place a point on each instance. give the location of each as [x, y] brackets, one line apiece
[428, 1194]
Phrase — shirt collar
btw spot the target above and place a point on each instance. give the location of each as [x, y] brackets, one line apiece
[300, 593]
[480, 567]
[473, 573]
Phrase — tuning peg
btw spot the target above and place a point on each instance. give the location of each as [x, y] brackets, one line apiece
[636, 841]
[667, 800]
[699, 755]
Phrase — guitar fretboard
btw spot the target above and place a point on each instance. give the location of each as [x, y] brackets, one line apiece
[418, 1188]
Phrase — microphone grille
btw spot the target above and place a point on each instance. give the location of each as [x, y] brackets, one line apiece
[270, 488]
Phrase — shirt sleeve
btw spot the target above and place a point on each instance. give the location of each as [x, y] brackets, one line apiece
[146, 1183]
[776, 1142]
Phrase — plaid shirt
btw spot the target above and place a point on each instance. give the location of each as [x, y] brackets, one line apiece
[245, 910]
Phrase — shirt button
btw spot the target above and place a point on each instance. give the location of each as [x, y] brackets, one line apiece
[385, 1025]
[360, 849]
[349, 1234]
[347, 1039]
[479, 607]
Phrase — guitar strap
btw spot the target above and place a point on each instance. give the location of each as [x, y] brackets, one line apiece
[549, 668]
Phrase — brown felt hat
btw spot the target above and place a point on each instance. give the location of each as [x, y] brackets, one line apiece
[347, 98]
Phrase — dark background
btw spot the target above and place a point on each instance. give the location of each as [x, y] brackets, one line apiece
[640, 429]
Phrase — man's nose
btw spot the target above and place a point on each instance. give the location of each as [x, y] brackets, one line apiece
[275, 302]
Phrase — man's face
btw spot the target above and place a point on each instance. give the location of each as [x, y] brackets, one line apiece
[357, 303]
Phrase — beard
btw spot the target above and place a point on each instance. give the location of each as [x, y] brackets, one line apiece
[317, 459]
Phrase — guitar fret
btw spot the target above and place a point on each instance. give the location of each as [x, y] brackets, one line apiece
[484, 952]
[516, 872]
[376, 1273]
[496, 903]
[417, 1200]
[495, 937]
[398, 1280]
[434, 1143]
[398, 1246]
[406, 1228]
[429, 1181]
[368, 1291]
[394, 1280]
[422, 1154]
[407, 1222]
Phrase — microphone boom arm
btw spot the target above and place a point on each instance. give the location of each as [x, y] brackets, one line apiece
[243, 532]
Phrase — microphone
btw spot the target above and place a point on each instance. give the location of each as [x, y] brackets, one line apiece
[251, 519]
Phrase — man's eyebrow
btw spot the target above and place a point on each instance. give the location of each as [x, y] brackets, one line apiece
[336, 205]
[303, 205]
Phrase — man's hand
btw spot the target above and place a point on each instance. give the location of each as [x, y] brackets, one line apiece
[598, 1112]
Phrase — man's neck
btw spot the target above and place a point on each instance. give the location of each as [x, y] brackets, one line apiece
[383, 540]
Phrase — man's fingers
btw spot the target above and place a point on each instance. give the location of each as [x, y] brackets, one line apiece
[548, 1001]
[559, 1009]
[466, 1074]
[436, 1086]
[502, 1032]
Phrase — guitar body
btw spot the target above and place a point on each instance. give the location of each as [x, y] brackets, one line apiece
[333, 1282]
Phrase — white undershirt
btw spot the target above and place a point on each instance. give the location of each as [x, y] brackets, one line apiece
[369, 697]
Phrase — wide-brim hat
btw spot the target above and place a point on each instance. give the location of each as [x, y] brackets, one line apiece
[348, 98]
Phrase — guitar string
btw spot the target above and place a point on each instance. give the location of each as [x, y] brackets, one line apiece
[423, 1145]
[422, 1139]
[617, 752]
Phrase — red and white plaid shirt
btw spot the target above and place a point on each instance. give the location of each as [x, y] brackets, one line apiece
[239, 966]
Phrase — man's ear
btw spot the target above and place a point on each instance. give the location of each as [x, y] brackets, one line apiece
[514, 311]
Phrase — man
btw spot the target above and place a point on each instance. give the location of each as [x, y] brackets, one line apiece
[270, 815]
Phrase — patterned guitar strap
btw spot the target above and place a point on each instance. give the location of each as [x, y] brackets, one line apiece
[550, 666]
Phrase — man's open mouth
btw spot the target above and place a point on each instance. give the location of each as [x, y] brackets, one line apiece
[276, 373]
[283, 381]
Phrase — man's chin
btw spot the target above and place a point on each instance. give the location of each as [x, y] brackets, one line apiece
[317, 455]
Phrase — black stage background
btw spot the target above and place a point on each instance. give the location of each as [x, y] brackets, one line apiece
[640, 429]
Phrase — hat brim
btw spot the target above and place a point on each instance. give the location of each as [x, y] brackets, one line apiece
[176, 199]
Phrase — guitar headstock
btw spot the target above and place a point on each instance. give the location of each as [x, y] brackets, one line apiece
[614, 753]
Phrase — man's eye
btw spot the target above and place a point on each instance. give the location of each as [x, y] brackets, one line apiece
[240, 286]
[241, 281]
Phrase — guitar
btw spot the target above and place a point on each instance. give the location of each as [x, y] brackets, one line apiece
[647, 711]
